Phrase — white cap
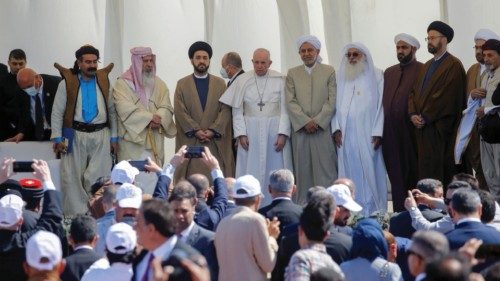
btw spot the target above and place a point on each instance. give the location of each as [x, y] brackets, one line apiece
[408, 39]
[246, 186]
[11, 210]
[123, 172]
[121, 238]
[43, 250]
[485, 34]
[343, 197]
[129, 196]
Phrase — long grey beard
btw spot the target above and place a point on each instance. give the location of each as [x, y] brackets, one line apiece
[148, 81]
[354, 71]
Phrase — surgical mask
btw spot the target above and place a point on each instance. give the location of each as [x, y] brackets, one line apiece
[31, 91]
[223, 73]
[129, 220]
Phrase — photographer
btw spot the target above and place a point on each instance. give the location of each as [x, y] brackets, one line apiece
[12, 239]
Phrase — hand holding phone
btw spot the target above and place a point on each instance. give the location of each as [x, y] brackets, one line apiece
[139, 164]
[194, 151]
[22, 166]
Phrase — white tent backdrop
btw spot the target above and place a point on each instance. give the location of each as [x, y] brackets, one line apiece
[51, 30]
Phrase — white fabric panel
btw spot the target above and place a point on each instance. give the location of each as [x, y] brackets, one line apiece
[337, 22]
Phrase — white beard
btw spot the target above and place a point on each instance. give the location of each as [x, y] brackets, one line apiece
[354, 71]
[148, 80]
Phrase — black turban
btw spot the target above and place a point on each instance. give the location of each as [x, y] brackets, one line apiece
[86, 50]
[442, 28]
[200, 46]
[492, 44]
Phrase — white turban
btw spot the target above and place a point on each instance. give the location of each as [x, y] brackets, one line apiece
[408, 39]
[485, 34]
[311, 39]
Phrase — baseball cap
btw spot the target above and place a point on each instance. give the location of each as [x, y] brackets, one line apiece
[246, 186]
[43, 250]
[129, 196]
[343, 197]
[11, 209]
[121, 238]
[123, 172]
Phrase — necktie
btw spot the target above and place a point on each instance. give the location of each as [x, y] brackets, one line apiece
[38, 118]
[145, 277]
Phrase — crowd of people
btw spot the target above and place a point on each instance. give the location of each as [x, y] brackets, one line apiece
[275, 176]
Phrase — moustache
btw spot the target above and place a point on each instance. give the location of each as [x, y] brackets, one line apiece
[92, 69]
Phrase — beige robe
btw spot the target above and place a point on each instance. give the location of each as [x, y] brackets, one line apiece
[190, 116]
[312, 96]
[134, 118]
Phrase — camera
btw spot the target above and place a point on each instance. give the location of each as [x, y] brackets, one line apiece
[22, 166]
[139, 164]
[194, 151]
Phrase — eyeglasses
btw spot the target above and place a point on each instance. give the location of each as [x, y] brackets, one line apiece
[447, 201]
[431, 38]
[411, 252]
[354, 55]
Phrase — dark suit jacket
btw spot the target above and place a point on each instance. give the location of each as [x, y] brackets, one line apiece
[467, 230]
[77, 263]
[203, 241]
[3, 71]
[10, 106]
[285, 210]
[338, 246]
[26, 124]
[13, 243]
[400, 224]
[180, 249]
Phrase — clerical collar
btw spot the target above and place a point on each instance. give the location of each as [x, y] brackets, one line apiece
[482, 68]
[200, 76]
[310, 69]
[441, 56]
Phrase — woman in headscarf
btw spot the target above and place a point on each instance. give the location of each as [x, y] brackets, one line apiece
[369, 255]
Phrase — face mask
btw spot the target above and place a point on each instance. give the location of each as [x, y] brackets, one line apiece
[129, 220]
[223, 73]
[31, 91]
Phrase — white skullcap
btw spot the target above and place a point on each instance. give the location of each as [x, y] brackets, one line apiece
[43, 250]
[246, 186]
[408, 39]
[123, 172]
[311, 39]
[485, 34]
[129, 196]
[11, 210]
[121, 238]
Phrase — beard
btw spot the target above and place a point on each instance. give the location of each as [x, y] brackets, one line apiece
[480, 58]
[353, 71]
[405, 59]
[201, 68]
[148, 80]
[434, 49]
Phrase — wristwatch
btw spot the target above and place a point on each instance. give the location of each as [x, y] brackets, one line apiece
[413, 208]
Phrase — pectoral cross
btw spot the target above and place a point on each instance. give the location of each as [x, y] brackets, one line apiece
[261, 104]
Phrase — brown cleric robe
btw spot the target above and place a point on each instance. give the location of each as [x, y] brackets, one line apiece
[471, 158]
[190, 116]
[440, 102]
[399, 138]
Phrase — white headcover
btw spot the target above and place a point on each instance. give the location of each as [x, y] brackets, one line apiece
[369, 71]
[408, 39]
[486, 34]
[313, 40]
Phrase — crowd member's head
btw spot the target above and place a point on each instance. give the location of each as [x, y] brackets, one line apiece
[309, 47]
[313, 190]
[451, 188]
[201, 184]
[392, 246]
[44, 256]
[121, 240]
[17, 60]
[345, 203]
[488, 204]
[123, 172]
[406, 47]
[426, 247]
[439, 35]
[128, 202]
[32, 193]
[491, 54]
[183, 201]
[83, 231]
[465, 203]
[230, 187]
[368, 240]
[281, 183]
[87, 58]
[316, 219]
[200, 54]
[468, 178]
[109, 197]
[482, 35]
[11, 211]
[29, 81]
[349, 183]
[431, 187]
[451, 267]
[230, 65]
[155, 223]
[247, 192]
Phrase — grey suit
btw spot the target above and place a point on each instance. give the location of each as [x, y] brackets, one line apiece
[203, 241]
